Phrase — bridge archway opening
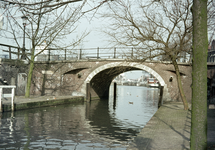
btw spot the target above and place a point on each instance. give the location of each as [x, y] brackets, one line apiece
[101, 78]
[136, 78]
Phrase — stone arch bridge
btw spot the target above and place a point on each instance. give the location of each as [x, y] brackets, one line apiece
[71, 77]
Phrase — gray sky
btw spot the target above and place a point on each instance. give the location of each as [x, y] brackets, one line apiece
[95, 39]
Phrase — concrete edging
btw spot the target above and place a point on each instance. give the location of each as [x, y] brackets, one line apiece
[44, 103]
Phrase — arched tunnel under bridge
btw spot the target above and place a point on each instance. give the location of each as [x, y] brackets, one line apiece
[98, 82]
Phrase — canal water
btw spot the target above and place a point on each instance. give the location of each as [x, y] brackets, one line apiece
[99, 125]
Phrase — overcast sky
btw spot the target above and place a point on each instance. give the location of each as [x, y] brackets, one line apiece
[95, 39]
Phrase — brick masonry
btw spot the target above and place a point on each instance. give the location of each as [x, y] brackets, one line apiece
[70, 77]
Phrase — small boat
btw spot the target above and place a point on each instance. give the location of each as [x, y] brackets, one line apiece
[152, 82]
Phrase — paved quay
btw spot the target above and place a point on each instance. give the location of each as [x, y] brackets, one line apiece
[21, 102]
[168, 129]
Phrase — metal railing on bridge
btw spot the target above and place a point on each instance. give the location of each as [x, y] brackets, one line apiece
[86, 53]
[53, 54]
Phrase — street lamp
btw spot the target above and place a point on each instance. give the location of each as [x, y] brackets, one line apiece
[24, 20]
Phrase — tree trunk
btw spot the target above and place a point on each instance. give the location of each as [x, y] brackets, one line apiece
[178, 76]
[30, 72]
[199, 76]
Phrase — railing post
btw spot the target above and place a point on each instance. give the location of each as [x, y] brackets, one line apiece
[132, 52]
[88, 95]
[114, 91]
[184, 57]
[65, 55]
[97, 52]
[0, 99]
[9, 52]
[160, 102]
[80, 54]
[49, 55]
[114, 95]
[18, 52]
[12, 99]
[114, 56]
[150, 55]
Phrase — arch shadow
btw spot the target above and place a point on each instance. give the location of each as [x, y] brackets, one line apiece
[101, 78]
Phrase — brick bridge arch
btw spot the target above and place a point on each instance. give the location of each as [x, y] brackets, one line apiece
[115, 68]
[71, 77]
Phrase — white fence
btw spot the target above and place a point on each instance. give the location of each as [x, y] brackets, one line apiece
[12, 95]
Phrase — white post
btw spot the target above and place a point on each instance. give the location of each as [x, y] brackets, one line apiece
[12, 99]
[0, 99]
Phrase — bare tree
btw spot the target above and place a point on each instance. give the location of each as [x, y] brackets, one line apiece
[48, 21]
[154, 28]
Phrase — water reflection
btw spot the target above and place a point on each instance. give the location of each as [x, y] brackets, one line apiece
[135, 104]
[95, 125]
[107, 125]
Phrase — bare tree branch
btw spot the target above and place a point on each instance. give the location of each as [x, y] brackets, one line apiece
[157, 29]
